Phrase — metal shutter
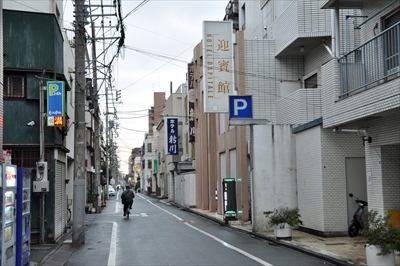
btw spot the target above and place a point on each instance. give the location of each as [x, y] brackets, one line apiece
[60, 200]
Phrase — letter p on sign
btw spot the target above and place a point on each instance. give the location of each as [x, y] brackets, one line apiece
[240, 106]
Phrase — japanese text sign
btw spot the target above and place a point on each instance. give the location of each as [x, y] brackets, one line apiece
[172, 136]
[218, 65]
[55, 104]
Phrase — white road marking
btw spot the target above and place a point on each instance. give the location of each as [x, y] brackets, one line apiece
[244, 253]
[113, 246]
[117, 207]
[143, 214]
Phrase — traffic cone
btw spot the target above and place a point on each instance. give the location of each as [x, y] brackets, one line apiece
[103, 203]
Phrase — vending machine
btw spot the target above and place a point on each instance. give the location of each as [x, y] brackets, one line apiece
[23, 217]
[8, 226]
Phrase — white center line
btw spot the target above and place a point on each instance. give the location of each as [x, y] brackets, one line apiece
[113, 246]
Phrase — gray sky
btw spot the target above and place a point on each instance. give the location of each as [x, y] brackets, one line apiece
[164, 30]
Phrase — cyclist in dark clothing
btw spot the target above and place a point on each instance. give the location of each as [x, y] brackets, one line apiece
[127, 199]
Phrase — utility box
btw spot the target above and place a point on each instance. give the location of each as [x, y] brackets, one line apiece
[41, 182]
[229, 198]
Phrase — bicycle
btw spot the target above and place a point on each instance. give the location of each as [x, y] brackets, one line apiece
[69, 203]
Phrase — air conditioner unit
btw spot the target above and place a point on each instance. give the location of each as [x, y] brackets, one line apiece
[41, 182]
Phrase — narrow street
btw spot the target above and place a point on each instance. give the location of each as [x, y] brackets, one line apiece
[160, 234]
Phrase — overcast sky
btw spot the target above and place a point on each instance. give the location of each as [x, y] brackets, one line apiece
[159, 36]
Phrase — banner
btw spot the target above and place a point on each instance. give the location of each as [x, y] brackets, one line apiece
[191, 100]
[218, 66]
[172, 135]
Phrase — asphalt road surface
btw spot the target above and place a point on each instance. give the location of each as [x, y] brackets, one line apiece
[160, 234]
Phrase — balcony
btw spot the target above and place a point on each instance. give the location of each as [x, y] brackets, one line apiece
[371, 64]
[342, 4]
[302, 24]
[232, 10]
[299, 107]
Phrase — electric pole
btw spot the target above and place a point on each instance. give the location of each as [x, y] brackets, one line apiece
[78, 233]
[96, 115]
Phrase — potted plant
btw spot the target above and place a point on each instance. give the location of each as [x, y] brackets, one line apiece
[283, 219]
[381, 239]
[92, 199]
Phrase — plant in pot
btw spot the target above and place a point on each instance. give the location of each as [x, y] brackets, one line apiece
[381, 239]
[283, 219]
[92, 199]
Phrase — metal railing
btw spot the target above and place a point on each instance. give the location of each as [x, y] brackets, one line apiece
[372, 63]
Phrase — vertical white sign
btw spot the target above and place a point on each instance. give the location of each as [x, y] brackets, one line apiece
[218, 67]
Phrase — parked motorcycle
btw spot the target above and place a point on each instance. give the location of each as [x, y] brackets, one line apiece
[357, 223]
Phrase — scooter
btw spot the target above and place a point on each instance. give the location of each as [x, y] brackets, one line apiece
[357, 223]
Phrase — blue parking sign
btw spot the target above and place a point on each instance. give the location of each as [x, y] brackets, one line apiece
[240, 106]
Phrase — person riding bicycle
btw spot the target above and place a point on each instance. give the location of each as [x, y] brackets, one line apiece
[127, 199]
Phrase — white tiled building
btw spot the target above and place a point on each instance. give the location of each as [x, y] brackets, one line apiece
[291, 52]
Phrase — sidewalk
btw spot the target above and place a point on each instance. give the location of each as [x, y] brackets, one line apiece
[336, 250]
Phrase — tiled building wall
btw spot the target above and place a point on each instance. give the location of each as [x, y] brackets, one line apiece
[265, 74]
[372, 7]
[375, 100]
[316, 58]
[301, 18]
[261, 80]
[309, 177]
[321, 177]
[382, 162]
[299, 107]
[335, 149]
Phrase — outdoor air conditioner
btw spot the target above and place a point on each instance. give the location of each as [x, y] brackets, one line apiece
[41, 182]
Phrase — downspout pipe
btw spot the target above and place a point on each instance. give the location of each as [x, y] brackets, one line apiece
[333, 33]
[337, 36]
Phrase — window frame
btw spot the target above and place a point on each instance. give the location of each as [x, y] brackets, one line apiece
[9, 90]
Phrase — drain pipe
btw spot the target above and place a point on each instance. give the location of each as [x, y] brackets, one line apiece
[333, 28]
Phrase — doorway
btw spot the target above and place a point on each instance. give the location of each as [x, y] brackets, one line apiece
[356, 183]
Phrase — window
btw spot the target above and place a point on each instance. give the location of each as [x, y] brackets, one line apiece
[391, 43]
[149, 164]
[149, 147]
[311, 82]
[14, 86]
[27, 157]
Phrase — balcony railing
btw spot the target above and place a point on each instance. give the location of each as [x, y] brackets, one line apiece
[371, 64]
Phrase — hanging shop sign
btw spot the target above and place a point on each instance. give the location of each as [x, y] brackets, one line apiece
[55, 104]
[172, 136]
[218, 65]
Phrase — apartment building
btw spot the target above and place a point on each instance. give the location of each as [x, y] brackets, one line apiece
[325, 73]
[361, 92]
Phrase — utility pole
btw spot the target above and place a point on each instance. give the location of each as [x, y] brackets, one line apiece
[97, 155]
[107, 148]
[78, 233]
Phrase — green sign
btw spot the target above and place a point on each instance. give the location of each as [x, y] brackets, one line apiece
[155, 167]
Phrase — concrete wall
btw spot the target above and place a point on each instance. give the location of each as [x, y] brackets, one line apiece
[274, 171]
